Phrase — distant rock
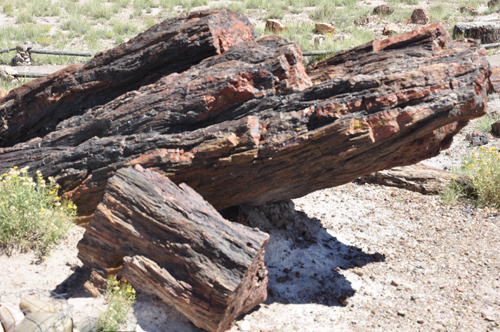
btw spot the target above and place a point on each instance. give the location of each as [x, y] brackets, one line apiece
[390, 29]
[495, 128]
[383, 10]
[275, 26]
[493, 3]
[477, 138]
[365, 20]
[420, 16]
[487, 32]
[324, 28]
[469, 10]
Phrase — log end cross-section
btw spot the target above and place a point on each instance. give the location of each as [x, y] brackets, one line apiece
[173, 244]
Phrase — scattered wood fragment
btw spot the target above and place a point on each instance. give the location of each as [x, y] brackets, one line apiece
[173, 244]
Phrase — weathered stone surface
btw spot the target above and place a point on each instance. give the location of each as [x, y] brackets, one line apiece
[174, 245]
[383, 10]
[365, 20]
[495, 80]
[419, 16]
[174, 45]
[275, 26]
[390, 29]
[495, 128]
[477, 138]
[487, 32]
[250, 129]
[324, 28]
[493, 3]
[469, 10]
[420, 178]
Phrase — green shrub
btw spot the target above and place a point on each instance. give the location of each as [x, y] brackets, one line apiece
[121, 296]
[482, 171]
[32, 216]
[483, 124]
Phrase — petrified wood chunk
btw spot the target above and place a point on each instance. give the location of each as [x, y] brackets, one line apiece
[487, 32]
[246, 127]
[173, 45]
[175, 245]
[420, 178]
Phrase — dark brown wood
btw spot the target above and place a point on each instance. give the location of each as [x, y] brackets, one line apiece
[173, 244]
[485, 31]
[246, 127]
[174, 45]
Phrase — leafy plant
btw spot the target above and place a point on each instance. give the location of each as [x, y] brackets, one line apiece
[32, 216]
[483, 124]
[482, 170]
[120, 295]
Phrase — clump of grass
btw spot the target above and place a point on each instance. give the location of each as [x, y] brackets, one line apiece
[483, 124]
[32, 216]
[24, 16]
[482, 171]
[120, 295]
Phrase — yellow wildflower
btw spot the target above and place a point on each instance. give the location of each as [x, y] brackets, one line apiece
[42, 210]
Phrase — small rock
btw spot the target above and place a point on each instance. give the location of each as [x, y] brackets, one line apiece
[282, 279]
[460, 289]
[414, 297]
[394, 283]
[495, 128]
[383, 10]
[244, 326]
[420, 321]
[318, 39]
[420, 16]
[358, 272]
[477, 138]
[469, 10]
[389, 30]
[275, 26]
[493, 3]
[365, 20]
[297, 274]
[405, 297]
[324, 28]
[402, 313]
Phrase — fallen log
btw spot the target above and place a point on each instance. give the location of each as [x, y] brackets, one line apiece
[175, 245]
[245, 138]
[36, 108]
[419, 178]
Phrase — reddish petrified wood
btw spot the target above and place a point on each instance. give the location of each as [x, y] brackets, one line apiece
[175, 245]
[36, 108]
[247, 130]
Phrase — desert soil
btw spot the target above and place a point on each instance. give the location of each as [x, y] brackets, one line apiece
[350, 258]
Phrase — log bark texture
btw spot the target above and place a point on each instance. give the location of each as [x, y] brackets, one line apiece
[36, 108]
[173, 244]
[247, 127]
[487, 32]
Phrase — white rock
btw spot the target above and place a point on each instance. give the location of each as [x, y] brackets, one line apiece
[244, 326]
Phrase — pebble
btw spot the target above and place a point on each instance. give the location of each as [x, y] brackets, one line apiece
[402, 313]
[244, 326]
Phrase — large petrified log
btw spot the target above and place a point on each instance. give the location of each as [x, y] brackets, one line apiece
[175, 245]
[244, 127]
[174, 45]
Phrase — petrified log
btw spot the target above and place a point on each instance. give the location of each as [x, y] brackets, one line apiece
[244, 127]
[487, 32]
[419, 178]
[175, 245]
[174, 45]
